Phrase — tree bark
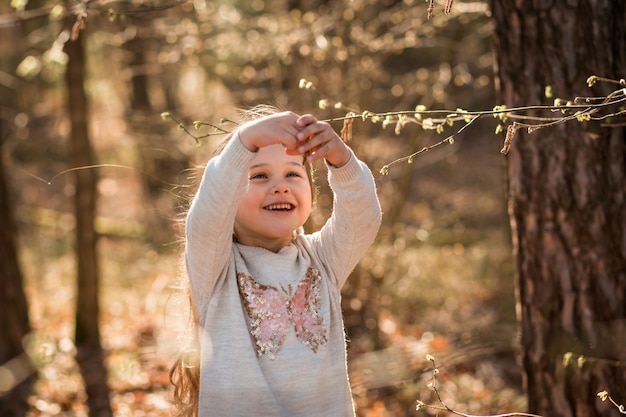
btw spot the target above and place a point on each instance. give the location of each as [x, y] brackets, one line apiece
[14, 319]
[157, 165]
[567, 200]
[90, 356]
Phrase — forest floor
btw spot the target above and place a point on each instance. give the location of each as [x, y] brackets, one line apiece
[449, 293]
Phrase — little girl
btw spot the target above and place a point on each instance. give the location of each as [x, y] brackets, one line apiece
[265, 295]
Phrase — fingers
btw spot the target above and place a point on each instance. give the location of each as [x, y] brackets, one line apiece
[313, 136]
[305, 120]
[321, 141]
[299, 135]
[309, 127]
[276, 128]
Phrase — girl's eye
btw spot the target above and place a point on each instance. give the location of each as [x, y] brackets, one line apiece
[294, 174]
[258, 176]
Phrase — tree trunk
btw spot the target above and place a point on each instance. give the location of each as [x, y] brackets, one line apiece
[157, 165]
[90, 356]
[567, 191]
[14, 320]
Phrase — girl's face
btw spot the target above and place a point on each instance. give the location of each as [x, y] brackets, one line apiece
[277, 201]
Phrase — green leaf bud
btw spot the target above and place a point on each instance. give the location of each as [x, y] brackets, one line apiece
[29, 68]
[58, 11]
[567, 359]
[592, 80]
[548, 91]
[603, 395]
[428, 124]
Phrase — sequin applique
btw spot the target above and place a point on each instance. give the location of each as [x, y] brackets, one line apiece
[272, 311]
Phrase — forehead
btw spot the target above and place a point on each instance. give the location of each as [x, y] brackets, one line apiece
[275, 155]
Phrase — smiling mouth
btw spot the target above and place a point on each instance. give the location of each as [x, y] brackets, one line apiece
[280, 207]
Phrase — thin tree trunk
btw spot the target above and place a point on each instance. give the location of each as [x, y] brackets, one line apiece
[14, 319]
[156, 164]
[567, 203]
[90, 355]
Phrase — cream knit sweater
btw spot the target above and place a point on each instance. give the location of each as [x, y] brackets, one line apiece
[272, 336]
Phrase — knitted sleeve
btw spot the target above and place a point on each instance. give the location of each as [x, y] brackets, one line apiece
[209, 224]
[354, 221]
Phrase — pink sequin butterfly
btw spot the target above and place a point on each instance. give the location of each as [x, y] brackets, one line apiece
[271, 313]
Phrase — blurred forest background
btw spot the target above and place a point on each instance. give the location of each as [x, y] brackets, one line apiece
[439, 280]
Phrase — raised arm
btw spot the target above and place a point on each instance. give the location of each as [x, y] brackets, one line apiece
[209, 224]
[356, 215]
[355, 218]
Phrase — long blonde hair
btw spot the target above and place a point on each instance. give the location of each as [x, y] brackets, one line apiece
[185, 377]
[185, 372]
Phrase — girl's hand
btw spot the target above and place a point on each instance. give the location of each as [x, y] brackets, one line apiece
[269, 130]
[320, 140]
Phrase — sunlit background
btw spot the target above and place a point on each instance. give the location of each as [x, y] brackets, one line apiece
[438, 281]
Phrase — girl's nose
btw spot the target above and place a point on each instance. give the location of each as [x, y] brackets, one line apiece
[280, 188]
